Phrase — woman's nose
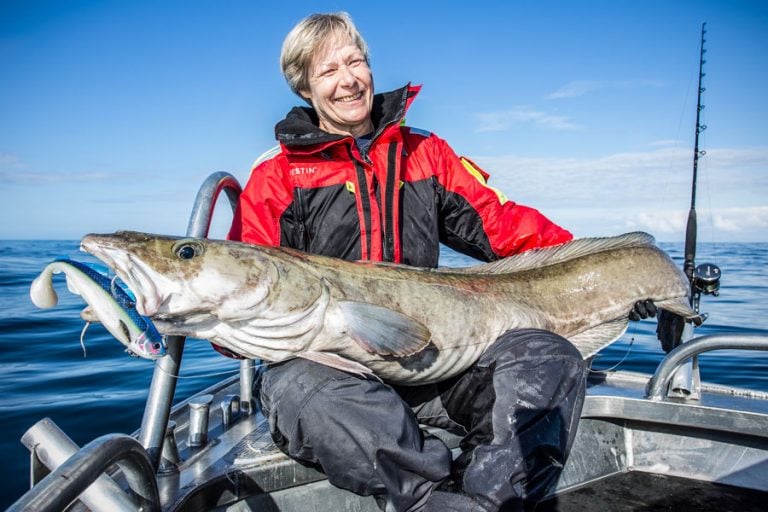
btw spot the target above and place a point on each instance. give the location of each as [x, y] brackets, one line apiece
[346, 77]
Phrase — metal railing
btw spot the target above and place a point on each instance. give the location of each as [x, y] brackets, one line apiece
[163, 388]
[81, 473]
[64, 485]
[657, 386]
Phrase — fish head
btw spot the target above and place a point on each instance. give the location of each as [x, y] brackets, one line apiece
[149, 344]
[181, 282]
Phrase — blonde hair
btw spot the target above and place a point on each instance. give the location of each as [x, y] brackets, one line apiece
[307, 37]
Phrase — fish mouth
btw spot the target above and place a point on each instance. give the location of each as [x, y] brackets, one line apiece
[132, 271]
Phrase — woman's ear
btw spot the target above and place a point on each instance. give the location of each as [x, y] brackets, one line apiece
[306, 95]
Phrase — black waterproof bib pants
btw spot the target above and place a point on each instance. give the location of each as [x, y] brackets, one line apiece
[517, 406]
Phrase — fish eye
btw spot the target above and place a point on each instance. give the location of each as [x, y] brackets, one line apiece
[187, 249]
[186, 252]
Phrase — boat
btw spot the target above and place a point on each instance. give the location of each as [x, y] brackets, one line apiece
[643, 443]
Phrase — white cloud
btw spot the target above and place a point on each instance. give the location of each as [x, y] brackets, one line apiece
[42, 178]
[504, 120]
[742, 219]
[731, 222]
[667, 142]
[647, 191]
[658, 222]
[637, 177]
[13, 170]
[9, 161]
[582, 87]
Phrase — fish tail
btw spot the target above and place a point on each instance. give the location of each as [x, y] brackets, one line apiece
[41, 291]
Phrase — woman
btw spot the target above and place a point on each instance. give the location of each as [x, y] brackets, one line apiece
[351, 181]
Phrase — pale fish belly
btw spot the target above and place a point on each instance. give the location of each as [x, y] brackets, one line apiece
[457, 343]
[428, 366]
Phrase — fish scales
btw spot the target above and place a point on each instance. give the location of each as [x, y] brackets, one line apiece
[403, 324]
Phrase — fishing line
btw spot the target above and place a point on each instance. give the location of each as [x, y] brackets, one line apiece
[199, 376]
[705, 172]
[667, 194]
[204, 375]
[626, 355]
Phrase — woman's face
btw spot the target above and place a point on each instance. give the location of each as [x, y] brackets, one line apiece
[341, 88]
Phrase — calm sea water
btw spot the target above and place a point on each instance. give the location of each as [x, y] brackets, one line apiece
[43, 371]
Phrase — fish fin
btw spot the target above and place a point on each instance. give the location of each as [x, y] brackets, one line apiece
[589, 342]
[338, 362]
[89, 315]
[546, 256]
[680, 306]
[384, 331]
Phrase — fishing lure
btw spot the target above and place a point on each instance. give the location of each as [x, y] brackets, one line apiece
[108, 302]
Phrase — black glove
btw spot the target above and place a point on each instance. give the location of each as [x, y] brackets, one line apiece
[669, 330]
[643, 309]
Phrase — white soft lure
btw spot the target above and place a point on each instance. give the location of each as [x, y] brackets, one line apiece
[107, 303]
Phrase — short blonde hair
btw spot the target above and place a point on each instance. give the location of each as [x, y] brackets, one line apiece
[307, 37]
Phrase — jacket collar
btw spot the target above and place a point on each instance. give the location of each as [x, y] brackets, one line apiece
[300, 130]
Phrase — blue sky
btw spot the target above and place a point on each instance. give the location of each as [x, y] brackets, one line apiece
[113, 113]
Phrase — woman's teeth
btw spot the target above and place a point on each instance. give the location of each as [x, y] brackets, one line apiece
[353, 97]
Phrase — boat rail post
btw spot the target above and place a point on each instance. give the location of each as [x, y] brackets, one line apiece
[247, 380]
[160, 399]
[163, 386]
[686, 381]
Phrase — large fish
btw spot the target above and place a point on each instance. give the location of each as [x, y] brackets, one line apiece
[405, 325]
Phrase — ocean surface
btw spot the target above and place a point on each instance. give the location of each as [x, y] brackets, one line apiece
[45, 373]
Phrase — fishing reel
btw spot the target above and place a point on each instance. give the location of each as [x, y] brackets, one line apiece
[706, 279]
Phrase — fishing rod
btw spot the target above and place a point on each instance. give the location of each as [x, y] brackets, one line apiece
[706, 277]
[690, 232]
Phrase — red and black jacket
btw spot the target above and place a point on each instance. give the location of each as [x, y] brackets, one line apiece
[395, 201]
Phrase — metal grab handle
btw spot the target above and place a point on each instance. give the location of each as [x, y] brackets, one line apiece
[163, 388]
[50, 447]
[63, 486]
[657, 385]
[205, 202]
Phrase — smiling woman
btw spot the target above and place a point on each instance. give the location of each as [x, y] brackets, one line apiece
[351, 180]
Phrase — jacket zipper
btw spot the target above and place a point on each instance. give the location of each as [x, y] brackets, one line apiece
[300, 220]
[362, 185]
[389, 203]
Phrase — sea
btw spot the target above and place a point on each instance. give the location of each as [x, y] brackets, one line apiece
[96, 388]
